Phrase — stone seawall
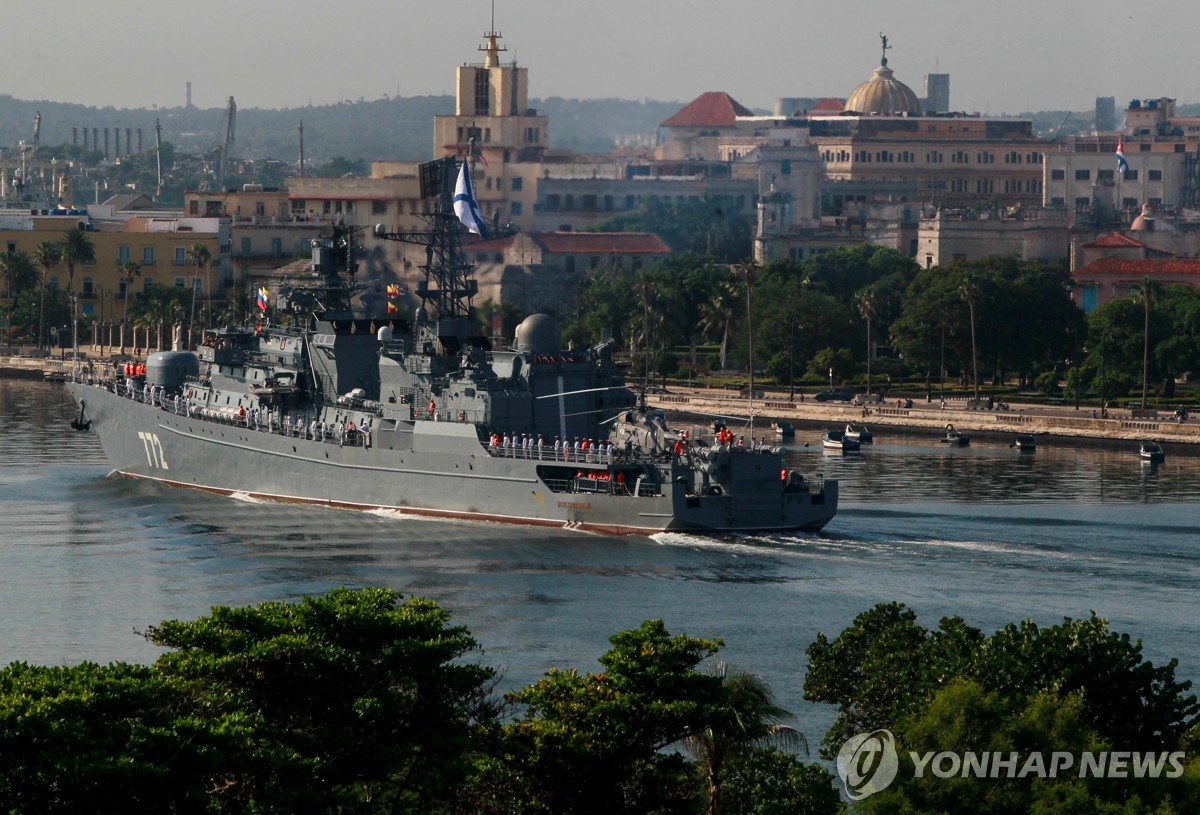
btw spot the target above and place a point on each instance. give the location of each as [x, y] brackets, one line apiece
[1064, 422]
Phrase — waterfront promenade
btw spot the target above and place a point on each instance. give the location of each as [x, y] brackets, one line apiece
[1051, 421]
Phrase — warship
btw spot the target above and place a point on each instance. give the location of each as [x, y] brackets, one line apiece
[340, 398]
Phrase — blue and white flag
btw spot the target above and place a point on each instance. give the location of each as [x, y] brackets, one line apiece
[1122, 164]
[465, 205]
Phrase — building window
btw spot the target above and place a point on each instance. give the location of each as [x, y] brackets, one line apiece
[1154, 175]
[482, 92]
[299, 205]
[193, 207]
[147, 255]
[518, 184]
[179, 282]
[1129, 203]
[515, 207]
[1104, 175]
[1083, 175]
[276, 247]
[1058, 202]
[1058, 175]
[1131, 175]
[122, 255]
[553, 202]
[630, 202]
[379, 207]
[1083, 202]
[785, 167]
[260, 208]
[89, 288]
[180, 256]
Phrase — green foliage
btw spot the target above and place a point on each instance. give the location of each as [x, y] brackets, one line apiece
[101, 739]
[1070, 687]
[885, 667]
[350, 697]
[590, 742]
[1047, 383]
[342, 167]
[768, 781]
[712, 226]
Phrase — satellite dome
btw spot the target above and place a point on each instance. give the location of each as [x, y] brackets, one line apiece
[538, 334]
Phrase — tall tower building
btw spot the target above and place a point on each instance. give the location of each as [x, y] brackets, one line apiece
[1106, 114]
[937, 93]
[492, 113]
[492, 107]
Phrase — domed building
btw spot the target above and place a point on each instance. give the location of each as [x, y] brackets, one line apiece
[883, 94]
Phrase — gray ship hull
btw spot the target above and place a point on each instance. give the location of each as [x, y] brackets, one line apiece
[437, 469]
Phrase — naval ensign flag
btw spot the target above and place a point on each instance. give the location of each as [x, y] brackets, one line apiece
[465, 205]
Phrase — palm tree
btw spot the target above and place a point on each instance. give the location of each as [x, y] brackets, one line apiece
[47, 255]
[1149, 293]
[198, 253]
[718, 313]
[748, 718]
[77, 247]
[868, 306]
[127, 271]
[749, 271]
[970, 292]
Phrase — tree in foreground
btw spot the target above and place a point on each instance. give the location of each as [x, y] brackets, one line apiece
[1072, 687]
[353, 701]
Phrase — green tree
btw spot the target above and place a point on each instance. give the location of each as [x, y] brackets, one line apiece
[885, 667]
[1149, 293]
[47, 255]
[590, 743]
[747, 717]
[75, 248]
[353, 701]
[342, 167]
[101, 739]
[769, 781]
[199, 255]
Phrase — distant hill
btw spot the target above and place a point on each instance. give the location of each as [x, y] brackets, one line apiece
[398, 129]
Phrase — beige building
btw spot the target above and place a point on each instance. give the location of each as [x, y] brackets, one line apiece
[158, 244]
[945, 235]
[492, 113]
[1163, 154]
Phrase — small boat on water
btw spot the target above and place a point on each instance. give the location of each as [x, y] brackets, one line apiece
[1151, 451]
[836, 440]
[954, 438]
[1025, 443]
[783, 430]
[859, 434]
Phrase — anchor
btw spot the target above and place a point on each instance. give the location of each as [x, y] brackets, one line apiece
[81, 425]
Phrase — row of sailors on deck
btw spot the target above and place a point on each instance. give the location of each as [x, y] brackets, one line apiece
[527, 445]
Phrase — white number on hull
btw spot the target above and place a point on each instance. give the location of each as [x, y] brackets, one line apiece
[154, 451]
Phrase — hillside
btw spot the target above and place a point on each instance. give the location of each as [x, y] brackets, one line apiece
[397, 129]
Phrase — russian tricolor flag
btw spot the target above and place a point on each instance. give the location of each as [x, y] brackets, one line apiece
[262, 299]
[1122, 164]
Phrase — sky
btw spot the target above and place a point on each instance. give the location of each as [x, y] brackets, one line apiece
[1003, 57]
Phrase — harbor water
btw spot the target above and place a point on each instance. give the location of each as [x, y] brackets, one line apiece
[982, 532]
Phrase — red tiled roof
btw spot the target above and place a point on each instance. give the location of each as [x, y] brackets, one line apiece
[1115, 240]
[1139, 267]
[712, 109]
[828, 106]
[617, 243]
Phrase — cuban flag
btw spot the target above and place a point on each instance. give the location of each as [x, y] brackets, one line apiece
[1122, 164]
[465, 205]
[262, 299]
